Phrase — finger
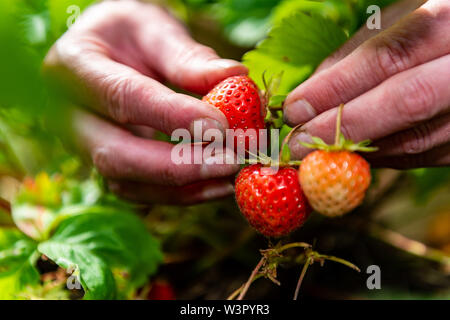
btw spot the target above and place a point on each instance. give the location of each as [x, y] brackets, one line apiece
[119, 155]
[390, 15]
[420, 37]
[401, 102]
[124, 94]
[142, 131]
[437, 157]
[421, 138]
[185, 195]
[178, 58]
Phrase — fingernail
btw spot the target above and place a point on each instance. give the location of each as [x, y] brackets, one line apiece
[226, 157]
[217, 191]
[200, 126]
[219, 165]
[299, 111]
[298, 151]
[226, 63]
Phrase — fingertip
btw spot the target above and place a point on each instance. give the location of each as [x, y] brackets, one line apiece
[221, 164]
[229, 67]
[298, 111]
[192, 111]
[217, 70]
[298, 151]
[218, 116]
[218, 190]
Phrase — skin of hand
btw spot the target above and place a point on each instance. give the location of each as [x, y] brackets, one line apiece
[395, 84]
[112, 62]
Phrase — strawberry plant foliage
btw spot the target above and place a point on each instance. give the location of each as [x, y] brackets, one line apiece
[244, 22]
[295, 46]
[120, 240]
[61, 10]
[17, 257]
[95, 276]
[81, 229]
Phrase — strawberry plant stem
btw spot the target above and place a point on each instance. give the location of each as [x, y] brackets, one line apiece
[338, 125]
[338, 260]
[294, 245]
[239, 290]
[251, 279]
[287, 138]
[302, 276]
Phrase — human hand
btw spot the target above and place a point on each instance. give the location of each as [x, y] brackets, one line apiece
[395, 84]
[114, 59]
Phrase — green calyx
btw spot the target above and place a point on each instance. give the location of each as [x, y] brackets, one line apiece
[343, 144]
[340, 143]
[273, 102]
[265, 160]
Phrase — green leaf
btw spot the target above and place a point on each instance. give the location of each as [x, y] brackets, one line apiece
[245, 22]
[318, 141]
[95, 275]
[19, 64]
[276, 101]
[45, 201]
[248, 31]
[296, 46]
[36, 28]
[284, 131]
[33, 220]
[286, 154]
[17, 258]
[98, 243]
[341, 12]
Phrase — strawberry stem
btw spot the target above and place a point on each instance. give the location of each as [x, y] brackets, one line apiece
[308, 262]
[271, 257]
[252, 278]
[239, 290]
[338, 260]
[338, 125]
[287, 138]
[293, 245]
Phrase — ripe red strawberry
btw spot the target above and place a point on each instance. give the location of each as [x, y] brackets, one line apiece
[238, 99]
[273, 202]
[334, 178]
[161, 290]
[334, 182]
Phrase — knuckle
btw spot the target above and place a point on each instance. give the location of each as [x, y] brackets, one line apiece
[339, 86]
[416, 100]
[103, 159]
[416, 140]
[171, 176]
[442, 9]
[194, 51]
[347, 129]
[392, 54]
[117, 93]
[190, 56]
[171, 107]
